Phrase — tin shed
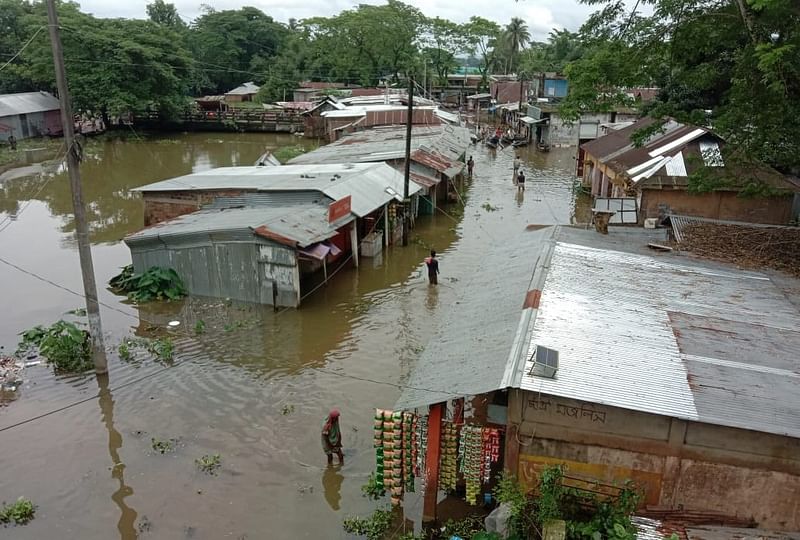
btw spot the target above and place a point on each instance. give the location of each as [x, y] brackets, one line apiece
[248, 254]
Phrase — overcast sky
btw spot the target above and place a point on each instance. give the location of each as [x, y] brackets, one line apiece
[541, 15]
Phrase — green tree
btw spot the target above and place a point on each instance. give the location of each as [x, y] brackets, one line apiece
[364, 44]
[730, 64]
[482, 36]
[165, 14]
[515, 37]
[443, 39]
[224, 44]
[15, 30]
[561, 48]
[114, 65]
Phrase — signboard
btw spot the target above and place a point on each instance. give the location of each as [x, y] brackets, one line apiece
[339, 209]
[534, 112]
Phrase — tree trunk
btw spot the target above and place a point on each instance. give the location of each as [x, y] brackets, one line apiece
[747, 19]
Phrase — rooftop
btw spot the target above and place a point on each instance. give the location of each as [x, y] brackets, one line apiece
[371, 185]
[244, 89]
[670, 155]
[657, 333]
[388, 143]
[27, 103]
[296, 225]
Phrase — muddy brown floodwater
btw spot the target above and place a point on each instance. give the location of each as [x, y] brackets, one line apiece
[256, 386]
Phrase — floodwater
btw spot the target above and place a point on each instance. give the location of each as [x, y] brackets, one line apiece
[256, 386]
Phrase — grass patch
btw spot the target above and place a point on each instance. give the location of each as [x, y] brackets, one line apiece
[209, 463]
[163, 446]
[50, 147]
[285, 153]
[18, 513]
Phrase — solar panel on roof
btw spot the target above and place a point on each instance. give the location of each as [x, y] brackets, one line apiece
[545, 362]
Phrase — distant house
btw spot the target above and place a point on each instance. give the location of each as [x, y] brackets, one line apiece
[656, 176]
[245, 92]
[509, 91]
[29, 114]
[438, 155]
[553, 85]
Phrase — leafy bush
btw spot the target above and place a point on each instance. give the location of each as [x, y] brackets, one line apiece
[162, 348]
[20, 512]
[372, 489]
[374, 527]
[285, 153]
[155, 284]
[62, 344]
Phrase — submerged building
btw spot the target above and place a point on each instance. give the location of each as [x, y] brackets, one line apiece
[265, 234]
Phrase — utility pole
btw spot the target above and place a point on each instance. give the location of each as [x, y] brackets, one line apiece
[406, 200]
[81, 227]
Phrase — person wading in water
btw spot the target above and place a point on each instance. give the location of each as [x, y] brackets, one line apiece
[332, 437]
[433, 268]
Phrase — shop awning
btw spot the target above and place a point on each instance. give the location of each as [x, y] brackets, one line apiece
[530, 120]
[320, 251]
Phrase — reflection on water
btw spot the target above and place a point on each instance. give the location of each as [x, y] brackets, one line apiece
[253, 384]
[127, 517]
[332, 484]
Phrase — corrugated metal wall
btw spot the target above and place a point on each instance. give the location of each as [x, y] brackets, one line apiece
[225, 266]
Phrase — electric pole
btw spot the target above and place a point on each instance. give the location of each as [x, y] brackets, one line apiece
[406, 200]
[81, 227]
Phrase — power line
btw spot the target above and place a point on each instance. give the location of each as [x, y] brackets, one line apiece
[24, 46]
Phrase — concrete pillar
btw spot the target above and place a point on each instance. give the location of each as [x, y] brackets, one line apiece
[354, 243]
[604, 185]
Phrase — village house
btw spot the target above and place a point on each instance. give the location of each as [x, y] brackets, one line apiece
[438, 156]
[29, 114]
[249, 251]
[656, 176]
[371, 186]
[619, 363]
[244, 92]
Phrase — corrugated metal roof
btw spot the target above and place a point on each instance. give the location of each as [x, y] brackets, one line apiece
[437, 162]
[244, 89]
[371, 185]
[679, 223]
[389, 143]
[612, 317]
[27, 103]
[469, 352]
[654, 333]
[300, 224]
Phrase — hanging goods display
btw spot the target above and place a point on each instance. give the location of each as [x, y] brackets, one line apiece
[471, 451]
[421, 444]
[449, 454]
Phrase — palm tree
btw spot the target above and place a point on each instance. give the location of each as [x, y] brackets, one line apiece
[516, 36]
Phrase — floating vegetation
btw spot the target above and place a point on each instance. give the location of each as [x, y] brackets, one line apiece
[18, 513]
[62, 344]
[209, 464]
[163, 447]
[154, 284]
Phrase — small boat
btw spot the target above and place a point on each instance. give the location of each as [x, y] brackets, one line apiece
[543, 147]
[492, 142]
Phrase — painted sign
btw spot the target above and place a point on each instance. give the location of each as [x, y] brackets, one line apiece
[593, 474]
[339, 209]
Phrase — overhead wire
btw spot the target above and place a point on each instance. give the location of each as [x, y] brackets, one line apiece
[25, 46]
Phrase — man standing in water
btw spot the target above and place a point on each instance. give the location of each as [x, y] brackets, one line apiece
[433, 268]
[517, 165]
[332, 437]
[521, 181]
[470, 166]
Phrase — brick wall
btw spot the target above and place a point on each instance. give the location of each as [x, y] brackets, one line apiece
[162, 206]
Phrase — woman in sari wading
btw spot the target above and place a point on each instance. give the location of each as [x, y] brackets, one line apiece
[332, 437]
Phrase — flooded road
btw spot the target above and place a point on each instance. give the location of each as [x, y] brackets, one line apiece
[256, 386]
